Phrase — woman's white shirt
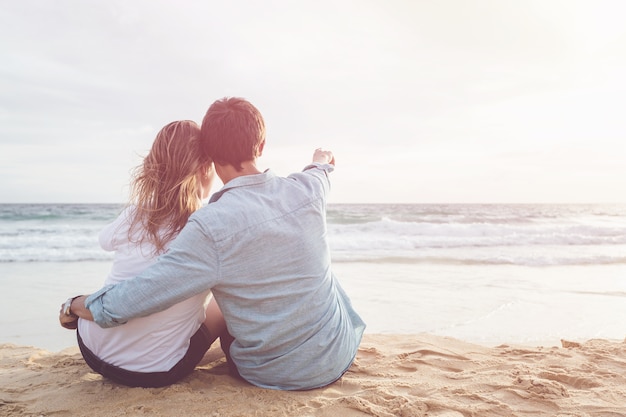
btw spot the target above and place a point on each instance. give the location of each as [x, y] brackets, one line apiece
[147, 344]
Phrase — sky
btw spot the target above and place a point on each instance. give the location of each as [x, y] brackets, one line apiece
[446, 101]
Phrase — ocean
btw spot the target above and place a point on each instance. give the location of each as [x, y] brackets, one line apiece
[489, 274]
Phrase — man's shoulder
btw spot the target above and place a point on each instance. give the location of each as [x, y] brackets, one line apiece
[244, 208]
[223, 213]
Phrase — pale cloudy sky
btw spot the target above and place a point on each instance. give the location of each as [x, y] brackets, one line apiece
[422, 101]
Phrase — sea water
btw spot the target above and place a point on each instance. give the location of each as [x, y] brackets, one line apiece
[490, 274]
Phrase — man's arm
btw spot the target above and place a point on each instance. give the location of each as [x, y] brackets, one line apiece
[77, 307]
[187, 269]
[71, 310]
[322, 156]
[321, 165]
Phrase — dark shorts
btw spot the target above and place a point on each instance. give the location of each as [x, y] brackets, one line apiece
[200, 342]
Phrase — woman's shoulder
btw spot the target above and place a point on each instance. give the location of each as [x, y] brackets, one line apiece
[116, 232]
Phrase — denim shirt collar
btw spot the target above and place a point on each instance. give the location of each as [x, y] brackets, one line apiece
[243, 181]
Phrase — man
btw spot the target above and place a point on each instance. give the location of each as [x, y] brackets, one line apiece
[261, 247]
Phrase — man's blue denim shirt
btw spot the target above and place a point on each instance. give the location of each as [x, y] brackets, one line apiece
[260, 245]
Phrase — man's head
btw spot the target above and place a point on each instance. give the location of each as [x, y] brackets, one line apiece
[232, 132]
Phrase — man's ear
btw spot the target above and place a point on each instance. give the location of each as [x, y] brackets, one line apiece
[260, 150]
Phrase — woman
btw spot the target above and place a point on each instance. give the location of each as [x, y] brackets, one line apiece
[159, 349]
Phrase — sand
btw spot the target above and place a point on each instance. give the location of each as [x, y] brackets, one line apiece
[394, 375]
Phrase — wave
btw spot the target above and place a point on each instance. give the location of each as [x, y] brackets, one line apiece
[446, 234]
[56, 257]
[402, 235]
[472, 213]
[51, 213]
[355, 258]
[534, 261]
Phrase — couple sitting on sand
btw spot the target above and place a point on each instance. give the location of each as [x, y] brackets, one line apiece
[259, 246]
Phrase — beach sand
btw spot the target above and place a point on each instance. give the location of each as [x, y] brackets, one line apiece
[393, 375]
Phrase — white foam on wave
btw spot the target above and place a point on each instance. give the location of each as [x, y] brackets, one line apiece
[455, 234]
[553, 242]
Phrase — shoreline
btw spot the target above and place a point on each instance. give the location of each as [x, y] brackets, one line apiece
[393, 375]
[487, 306]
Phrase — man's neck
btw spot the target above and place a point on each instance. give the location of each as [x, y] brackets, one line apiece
[229, 172]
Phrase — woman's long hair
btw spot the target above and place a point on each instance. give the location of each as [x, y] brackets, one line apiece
[165, 188]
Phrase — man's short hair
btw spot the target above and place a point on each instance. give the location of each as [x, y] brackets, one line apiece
[232, 132]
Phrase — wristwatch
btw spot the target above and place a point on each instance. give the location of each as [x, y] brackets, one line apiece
[67, 307]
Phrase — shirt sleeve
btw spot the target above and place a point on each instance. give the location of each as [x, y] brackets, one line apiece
[188, 268]
[317, 175]
[326, 168]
